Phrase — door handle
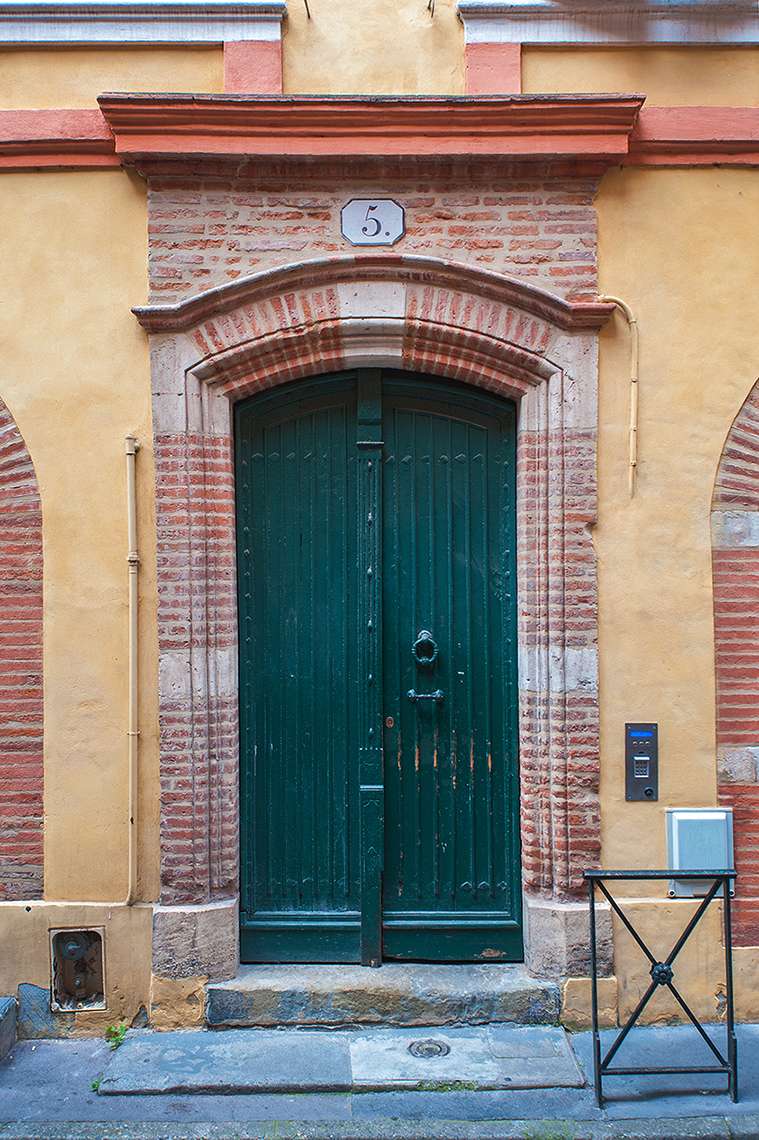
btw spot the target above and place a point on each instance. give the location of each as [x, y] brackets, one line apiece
[437, 695]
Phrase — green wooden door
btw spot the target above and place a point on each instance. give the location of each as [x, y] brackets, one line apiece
[296, 519]
[451, 881]
[379, 768]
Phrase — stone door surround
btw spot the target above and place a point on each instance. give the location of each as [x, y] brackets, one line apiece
[428, 316]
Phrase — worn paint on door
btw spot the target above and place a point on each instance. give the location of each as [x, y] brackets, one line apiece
[376, 564]
[451, 882]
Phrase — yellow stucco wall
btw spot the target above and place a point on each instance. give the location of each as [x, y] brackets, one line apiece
[388, 47]
[74, 77]
[391, 46]
[75, 376]
[667, 76]
[679, 247]
[126, 931]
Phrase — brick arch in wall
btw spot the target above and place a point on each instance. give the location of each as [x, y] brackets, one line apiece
[735, 564]
[21, 761]
[427, 316]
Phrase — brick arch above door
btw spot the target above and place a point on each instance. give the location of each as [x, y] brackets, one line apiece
[426, 316]
[735, 564]
[21, 759]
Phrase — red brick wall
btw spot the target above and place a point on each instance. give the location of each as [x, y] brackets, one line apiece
[21, 817]
[558, 730]
[541, 229]
[198, 607]
[736, 628]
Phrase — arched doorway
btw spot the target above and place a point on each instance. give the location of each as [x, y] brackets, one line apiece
[494, 335]
[376, 522]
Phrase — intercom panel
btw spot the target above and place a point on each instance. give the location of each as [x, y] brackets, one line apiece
[641, 761]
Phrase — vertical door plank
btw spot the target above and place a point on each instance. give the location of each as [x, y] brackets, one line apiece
[369, 546]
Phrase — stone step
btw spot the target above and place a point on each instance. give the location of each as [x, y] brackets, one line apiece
[396, 994]
[7, 1025]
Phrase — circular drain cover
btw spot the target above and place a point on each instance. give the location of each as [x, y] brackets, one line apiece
[428, 1047]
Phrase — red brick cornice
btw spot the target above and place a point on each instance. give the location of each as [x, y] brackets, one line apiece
[55, 138]
[145, 128]
[333, 271]
[595, 127]
[695, 136]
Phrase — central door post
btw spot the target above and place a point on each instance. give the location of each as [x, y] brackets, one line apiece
[369, 546]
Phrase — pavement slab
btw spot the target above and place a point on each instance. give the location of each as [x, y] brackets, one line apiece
[704, 1128]
[46, 1093]
[495, 1057]
[272, 1061]
[248, 1061]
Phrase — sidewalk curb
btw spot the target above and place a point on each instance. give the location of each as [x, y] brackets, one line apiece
[678, 1128]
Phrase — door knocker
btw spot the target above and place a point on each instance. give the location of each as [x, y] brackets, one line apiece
[425, 650]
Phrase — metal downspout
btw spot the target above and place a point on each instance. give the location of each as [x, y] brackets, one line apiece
[627, 312]
[133, 561]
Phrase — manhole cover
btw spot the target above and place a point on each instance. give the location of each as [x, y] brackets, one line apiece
[429, 1048]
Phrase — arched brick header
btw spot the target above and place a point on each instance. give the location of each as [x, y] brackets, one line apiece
[426, 316]
[735, 560]
[21, 772]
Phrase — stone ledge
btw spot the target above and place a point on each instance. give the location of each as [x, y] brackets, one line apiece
[397, 994]
[576, 1008]
[7, 1025]
[557, 938]
[196, 940]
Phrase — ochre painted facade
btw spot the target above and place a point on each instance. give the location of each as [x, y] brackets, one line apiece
[32, 78]
[697, 366]
[668, 76]
[428, 59]
[402, 51]
[75, 383]
[677, 244]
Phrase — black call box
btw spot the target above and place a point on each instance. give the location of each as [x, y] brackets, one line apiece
[641, 761]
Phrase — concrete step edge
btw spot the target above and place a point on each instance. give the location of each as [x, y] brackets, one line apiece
[703, 1127]
[8, 1025]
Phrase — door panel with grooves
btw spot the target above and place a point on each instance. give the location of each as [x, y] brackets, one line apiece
[371, 507]
[297, 554]
[452, 881]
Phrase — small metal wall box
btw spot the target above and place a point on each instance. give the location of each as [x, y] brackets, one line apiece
[698, 838]
[642, 762]
[77, 968]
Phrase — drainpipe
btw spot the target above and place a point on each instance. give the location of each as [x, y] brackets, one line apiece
[131, 448]
[626, 311]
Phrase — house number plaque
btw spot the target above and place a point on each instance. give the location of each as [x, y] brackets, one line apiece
[372, 221]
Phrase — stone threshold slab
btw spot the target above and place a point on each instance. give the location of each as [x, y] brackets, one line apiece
[377, 1060]
[397, 994]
